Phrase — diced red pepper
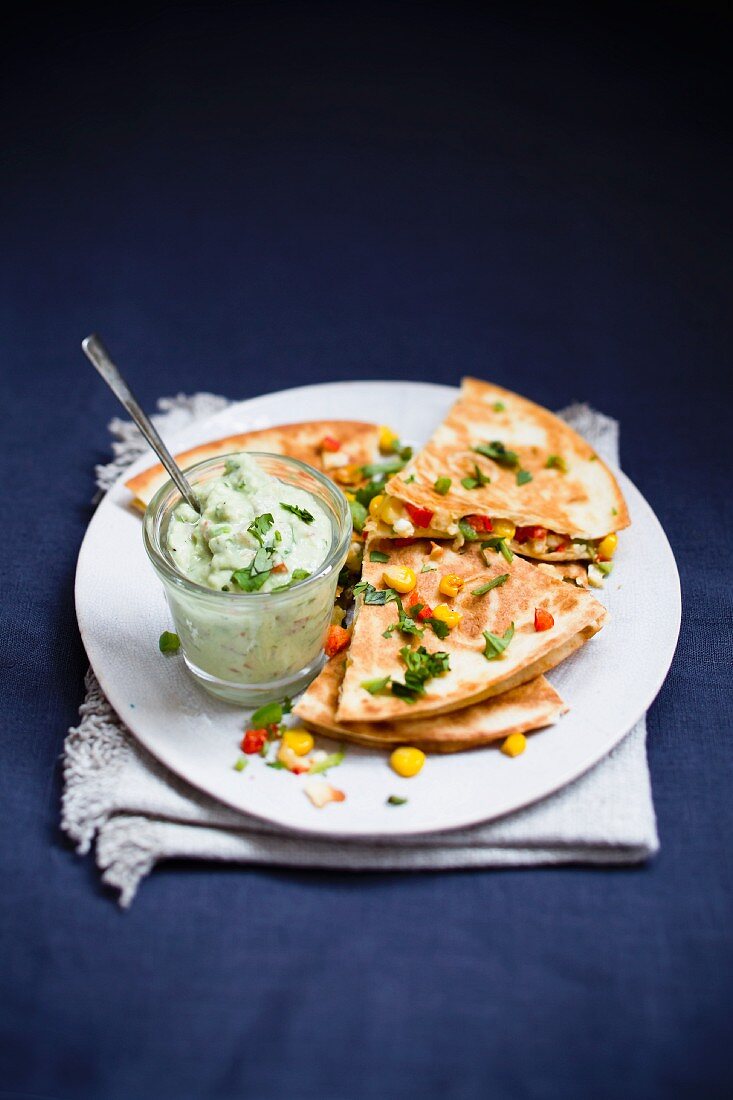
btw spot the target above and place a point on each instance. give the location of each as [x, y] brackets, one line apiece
[253, 741]
[281, 567]
[336, 640]
[559, 548]
[328, 443]
[480, 524]
[426, 613]
[524, 534]
[404, 542]
[421, 517]
[543, 620]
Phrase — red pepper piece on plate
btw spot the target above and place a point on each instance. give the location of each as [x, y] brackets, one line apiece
[253, 741]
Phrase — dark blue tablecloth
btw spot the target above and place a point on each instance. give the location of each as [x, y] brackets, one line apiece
[245, 198]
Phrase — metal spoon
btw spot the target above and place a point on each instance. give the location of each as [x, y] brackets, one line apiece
[98, 355]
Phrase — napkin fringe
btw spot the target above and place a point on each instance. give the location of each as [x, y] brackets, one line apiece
[95, 753]
[126, 854]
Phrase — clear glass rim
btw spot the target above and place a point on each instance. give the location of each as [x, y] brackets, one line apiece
[167, 497]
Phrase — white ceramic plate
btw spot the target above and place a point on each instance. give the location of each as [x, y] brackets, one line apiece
[609, 683]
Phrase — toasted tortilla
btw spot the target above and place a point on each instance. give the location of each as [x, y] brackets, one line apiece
[472, 677]
[574, 572]
[578, 498]
[525, 708]
[303, 441]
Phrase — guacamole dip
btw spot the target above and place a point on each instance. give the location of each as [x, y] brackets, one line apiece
[255, 532]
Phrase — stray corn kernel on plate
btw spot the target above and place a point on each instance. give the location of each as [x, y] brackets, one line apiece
[508, 608]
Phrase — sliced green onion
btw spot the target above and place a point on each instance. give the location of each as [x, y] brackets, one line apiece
[169, 642]
[490, 584]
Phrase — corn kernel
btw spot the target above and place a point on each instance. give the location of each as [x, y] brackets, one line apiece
[450, 584]
[399, 577]
[387, 439]
[503, 529]
[348, 475]
[390, 510]
[354, 556]
[607, 547]
[300, 741]
[375, 504]
[447, 615]
[407, 761]
[514, 745]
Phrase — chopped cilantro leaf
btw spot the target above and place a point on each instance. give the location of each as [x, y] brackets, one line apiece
[421, 667]
[301, 513]
[484, 588]
[442, 485]
[269, 714]
[409, 480]
[556, 462]
[276, 765]
[378, 555]
[614, 511]
[169, 642]
[499, 407]
[440, 629]
[374, 595]
[395, 800]
[241, 764]
[250, 579]
[523, 476]
[496, 645]
[300, 575]
[429, 568]
[260, 525]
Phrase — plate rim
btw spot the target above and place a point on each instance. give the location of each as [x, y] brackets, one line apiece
[579, 768]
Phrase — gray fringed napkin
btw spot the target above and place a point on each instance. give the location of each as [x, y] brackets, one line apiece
[139, 813]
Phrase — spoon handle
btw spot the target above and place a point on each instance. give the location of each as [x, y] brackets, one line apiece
[98, 355]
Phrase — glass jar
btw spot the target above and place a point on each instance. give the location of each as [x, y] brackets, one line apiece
[252, 647]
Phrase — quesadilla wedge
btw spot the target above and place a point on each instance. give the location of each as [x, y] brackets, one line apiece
[528, 707]
[427, 651]
[328, 445]
[500, 465]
